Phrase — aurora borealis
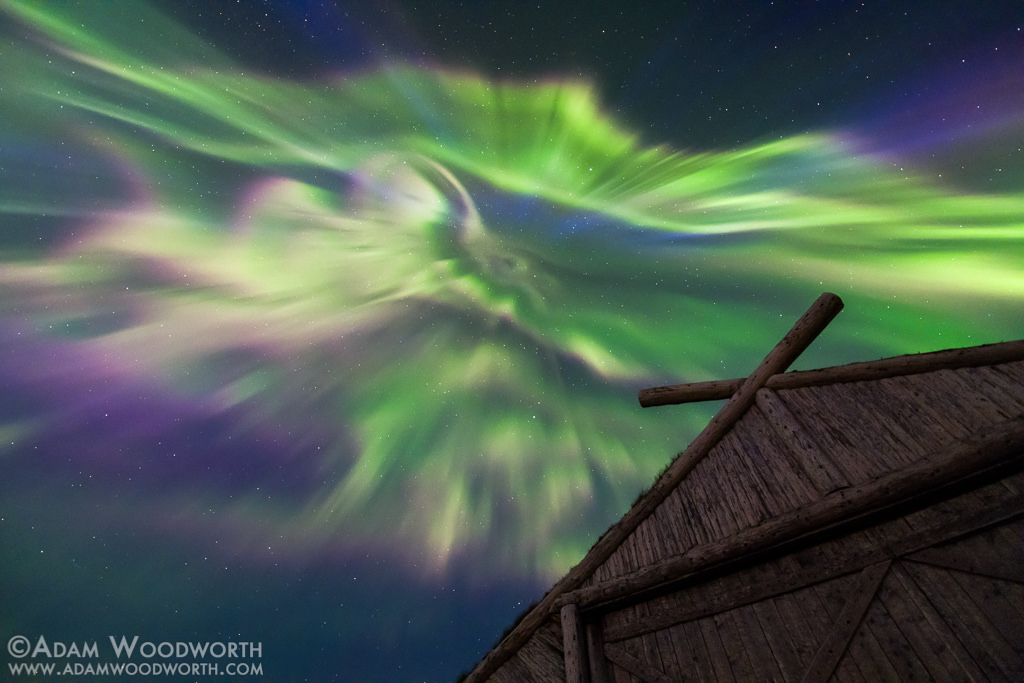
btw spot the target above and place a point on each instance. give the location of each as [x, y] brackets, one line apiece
[347, 363]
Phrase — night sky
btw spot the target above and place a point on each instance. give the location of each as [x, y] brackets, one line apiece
[321, 326]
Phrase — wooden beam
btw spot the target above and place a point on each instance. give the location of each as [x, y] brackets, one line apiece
[826, 659]
[996, 446]
[912, 364]
[573, 645]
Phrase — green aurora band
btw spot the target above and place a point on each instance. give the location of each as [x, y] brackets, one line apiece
[443, 289]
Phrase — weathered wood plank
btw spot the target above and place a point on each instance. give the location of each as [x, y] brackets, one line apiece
[806, 621]
[670, 655]
[717, 651]
[810, 414]
[779, 639]
[702, 490]
[1011, 378]
[765, 470]
[989, 354]
[965, 400]
[689, 529]
[778, 456]
[986, 396]
[653, 653]
[642, 670]
[927, 642]
[893, 644]
[847, 622]
[759, 652]
[734, 502]
[735, 650]
[689, 640]
[933, 423]
[989, 650]
[954, 649]
[595, 653]
[620, 675]
[804, 454]
[670, 525]
[867, 655]
[973, 560]
[1000, 386]
[1000, 603]
[876, 450]
[829, 597]
[896, 418]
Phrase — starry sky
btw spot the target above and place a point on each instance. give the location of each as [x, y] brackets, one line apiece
[321, 324]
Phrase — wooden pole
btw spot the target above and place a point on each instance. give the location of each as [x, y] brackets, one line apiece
[989, 354]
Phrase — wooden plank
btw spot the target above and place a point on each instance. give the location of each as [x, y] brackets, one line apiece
[733, 503]
[1001, 604]
[669, 525]
[955, 656]
[1011, 379]
[933, 423]
[866, 656]
[689, 641]
[595, 653]
[620, 675]
[768, 472]
[888, 411]
[848, 621]
[804, 454]
[670, 654]
[926, 642]
[894, 646]
[1000, 386]
[963, 559]
[989, 354]
[643, 670]
[879, 444]
[987, 396]
[965, 400]
[739, 661]
[810, 414]
[806, 621]
[689, 529]
[702, 490]
[779, 639]
[986, 645]
[829, 597]
[754, 641]
[777, 458]
[716, 650]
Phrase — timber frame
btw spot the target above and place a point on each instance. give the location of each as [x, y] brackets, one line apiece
[857, 522]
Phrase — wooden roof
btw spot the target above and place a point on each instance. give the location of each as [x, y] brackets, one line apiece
[793, 460]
